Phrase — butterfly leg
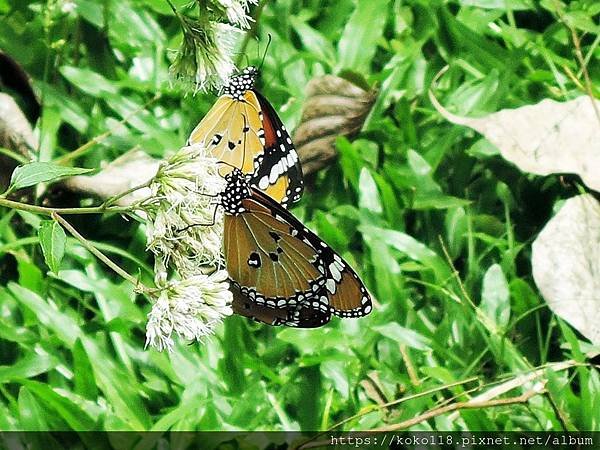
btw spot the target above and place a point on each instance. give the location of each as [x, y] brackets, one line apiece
[214, 216]
[204, 194]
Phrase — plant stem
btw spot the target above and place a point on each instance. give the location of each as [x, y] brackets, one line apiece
[112, 200]
[49, 211]
[173, 8]
[14, 155]
[98, 254]
[588, 87]
[523, 398]
[314, 443]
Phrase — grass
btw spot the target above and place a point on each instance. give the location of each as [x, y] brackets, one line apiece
[438, 225]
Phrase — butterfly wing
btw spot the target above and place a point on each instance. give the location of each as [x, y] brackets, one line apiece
[346, 294]
[269, 264]
[249, 135]
[232, 132]
[300, 316]
[278, 173]
[279, 263]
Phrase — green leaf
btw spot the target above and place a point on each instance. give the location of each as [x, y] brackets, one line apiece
[495, 296]
[30, 276]
[403, 336]
[580, 20]
[69, 109]
[483, 148]
[11, 332]
[386, 269]
[314, 41]
[31, 414]
[132, 28]
[434, 200]
[514, 5]
[230, 364]
[52, 239]
[7, 420]
[368, 193]
[41, 172]
[114, 300]
[62, 325]
[486, 52]
[72, 414]
[89, 81]
[31, 365]
[85, 384]
[92, 11]
[335, 371]
[359, 39]
[412, 248]
[118, 386]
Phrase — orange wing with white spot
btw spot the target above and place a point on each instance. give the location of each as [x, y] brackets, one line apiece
[283, 273]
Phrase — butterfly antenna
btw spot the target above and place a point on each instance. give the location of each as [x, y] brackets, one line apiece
[262, 61]
[227, 164]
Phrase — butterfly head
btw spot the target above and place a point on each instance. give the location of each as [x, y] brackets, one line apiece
[236, 190]
[239, 84]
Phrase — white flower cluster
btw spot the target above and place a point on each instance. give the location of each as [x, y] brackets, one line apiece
[237, 11]
[185, 229]
[206, 53]
[191, 308]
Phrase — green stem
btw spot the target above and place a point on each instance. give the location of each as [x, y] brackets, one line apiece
[98, 254]
[117, 197]
[14, 155]
[34, 240]
[46, 73]
[49, 211]
[18, 244]
[174, 9]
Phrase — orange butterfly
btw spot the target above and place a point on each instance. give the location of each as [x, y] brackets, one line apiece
[282, 273]
[243, 130]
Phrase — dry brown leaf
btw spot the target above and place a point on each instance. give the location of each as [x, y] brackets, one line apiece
[566, 264]
[15, 134]
[18, 82]
[333, 107]
[128, 171]
[15, 130]
[545, 138]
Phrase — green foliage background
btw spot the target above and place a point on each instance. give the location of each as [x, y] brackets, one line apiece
[410, 194]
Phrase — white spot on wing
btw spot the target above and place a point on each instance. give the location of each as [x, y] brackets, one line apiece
[335, 273]
[331, 286]
[263, 183]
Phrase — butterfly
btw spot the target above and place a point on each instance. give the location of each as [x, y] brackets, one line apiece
[281, 272]
[243, 130]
